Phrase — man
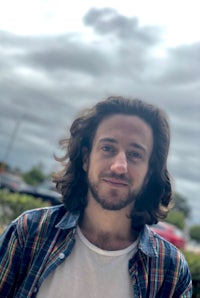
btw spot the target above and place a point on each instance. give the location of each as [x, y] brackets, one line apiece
[115, 182]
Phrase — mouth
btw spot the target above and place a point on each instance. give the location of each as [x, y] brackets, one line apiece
[115, 182]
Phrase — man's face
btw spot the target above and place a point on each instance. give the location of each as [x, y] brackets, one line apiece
[117, 165]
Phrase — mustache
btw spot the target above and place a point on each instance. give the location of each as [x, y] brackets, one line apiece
[121, 177]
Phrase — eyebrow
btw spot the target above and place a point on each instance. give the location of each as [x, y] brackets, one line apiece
[111, 140]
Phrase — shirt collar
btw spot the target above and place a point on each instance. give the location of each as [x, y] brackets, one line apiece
[69, 220]
[146, 244]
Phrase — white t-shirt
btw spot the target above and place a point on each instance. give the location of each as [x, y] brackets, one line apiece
[90, 272]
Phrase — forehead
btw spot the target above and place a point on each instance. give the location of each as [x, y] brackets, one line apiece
[125, 128]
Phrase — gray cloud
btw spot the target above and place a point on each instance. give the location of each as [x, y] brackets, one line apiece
[109, 22]
[46, 80]
[64, 54]
[182, 65]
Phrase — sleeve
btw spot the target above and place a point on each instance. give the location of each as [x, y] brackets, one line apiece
[10, 258]
[184, 285]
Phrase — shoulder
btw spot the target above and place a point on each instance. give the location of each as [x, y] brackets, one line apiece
[34, 222]
[154, 245]
[41, 216]
[168, 259]
[46, 213]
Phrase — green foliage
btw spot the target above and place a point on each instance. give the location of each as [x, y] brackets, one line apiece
[180, 211]
[35, 176]
[193, 260]
[176, 218]
[180, 204]
[13, 204]
[194, 232]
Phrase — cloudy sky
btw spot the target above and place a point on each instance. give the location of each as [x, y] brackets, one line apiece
[58, 57]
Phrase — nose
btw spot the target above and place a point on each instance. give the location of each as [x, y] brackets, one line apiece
[119, 164]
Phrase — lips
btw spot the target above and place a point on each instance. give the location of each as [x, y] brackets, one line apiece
[115, 182]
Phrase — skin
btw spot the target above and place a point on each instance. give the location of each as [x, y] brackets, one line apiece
[117, 168]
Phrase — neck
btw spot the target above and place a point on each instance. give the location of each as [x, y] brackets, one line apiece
[109, 230]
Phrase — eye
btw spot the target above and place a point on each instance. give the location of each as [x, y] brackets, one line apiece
[107, 148]
[134, 155]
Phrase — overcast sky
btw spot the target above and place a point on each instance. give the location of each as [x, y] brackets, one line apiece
[57, 59]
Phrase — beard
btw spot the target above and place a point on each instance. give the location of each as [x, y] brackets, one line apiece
[111, 200]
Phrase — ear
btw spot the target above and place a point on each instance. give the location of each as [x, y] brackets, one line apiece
[85, 158]
[147, 178]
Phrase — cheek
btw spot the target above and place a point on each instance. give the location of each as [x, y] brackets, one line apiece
[140, 174]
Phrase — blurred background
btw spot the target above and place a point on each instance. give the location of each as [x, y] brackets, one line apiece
[59, 57]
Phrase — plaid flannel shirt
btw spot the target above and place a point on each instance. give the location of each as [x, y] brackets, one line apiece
[39, 240]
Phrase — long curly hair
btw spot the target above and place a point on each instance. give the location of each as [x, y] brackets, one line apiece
[154, 201]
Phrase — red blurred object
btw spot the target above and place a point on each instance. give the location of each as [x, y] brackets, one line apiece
[170, 233]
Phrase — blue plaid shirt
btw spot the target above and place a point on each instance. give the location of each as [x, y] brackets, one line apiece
[39, 240]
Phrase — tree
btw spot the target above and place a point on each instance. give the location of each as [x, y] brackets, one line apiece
[180, 211]
[13, 204]
[181, 204]
[35, 176]
[195, 232]
[176, 218]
